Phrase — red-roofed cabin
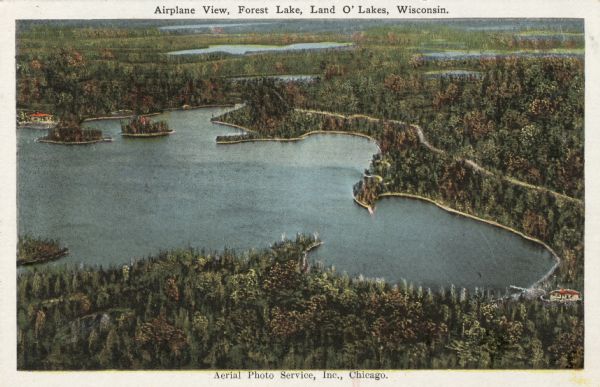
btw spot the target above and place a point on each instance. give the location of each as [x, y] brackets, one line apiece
[565, 295]
[41, 117]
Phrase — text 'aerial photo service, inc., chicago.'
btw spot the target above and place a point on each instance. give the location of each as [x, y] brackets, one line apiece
[270, 198]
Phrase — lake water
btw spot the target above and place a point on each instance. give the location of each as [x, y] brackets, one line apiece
[547, 36]
[284, 78]
[465, 55]
[243, 49]
[114, 202]
[454, 74]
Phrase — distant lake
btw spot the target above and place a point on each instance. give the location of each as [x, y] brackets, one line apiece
[110, 203]
[242, 49]
[464, 55]
[285, 78]
[549, 36]
[454, 74]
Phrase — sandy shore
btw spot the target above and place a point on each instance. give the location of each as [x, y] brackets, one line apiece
[291, 139]
[105, 139]
[147, 135]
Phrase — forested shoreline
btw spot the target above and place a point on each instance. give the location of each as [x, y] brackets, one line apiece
[271, 309]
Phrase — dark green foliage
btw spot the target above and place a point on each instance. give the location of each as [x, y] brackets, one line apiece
[87, 88]
[72, 134]
[267, 101]
[523, 117]
[268, 309]
[65, 72]
[143, 125]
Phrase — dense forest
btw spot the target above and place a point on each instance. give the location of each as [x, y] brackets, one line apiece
[523, 117]
[271, 309]
[144, 126]
[498, 136]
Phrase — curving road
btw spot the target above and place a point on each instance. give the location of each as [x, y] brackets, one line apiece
[423, 140]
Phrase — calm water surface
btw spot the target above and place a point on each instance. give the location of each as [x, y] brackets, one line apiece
[242, 49]
[465, 55]
[454, 74]
[285, 78]
[114, 202]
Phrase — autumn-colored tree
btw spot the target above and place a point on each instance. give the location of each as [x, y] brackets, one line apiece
[267, 101]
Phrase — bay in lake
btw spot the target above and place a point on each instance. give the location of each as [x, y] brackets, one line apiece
[114, 202]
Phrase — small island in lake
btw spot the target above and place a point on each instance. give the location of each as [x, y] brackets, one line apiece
[73, 134]
[33, 250]
[141, 126]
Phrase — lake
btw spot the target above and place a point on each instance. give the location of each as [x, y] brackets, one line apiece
[454, 74]
[466, 55]
[284, 78]
[243, 49]
[549, 36]
[114, 202]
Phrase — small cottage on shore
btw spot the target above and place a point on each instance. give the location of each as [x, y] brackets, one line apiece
[41, 117]
[35, 120]
[565, 295]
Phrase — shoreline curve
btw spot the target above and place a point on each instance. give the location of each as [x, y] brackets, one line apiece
[105, 139]
[120, 117]
[123, 116]
[291, 139]
[404, 195]
[148, 135]
[476, 218]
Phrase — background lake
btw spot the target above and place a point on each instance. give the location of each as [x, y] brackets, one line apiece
[243, 49]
